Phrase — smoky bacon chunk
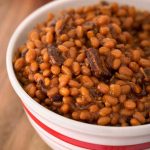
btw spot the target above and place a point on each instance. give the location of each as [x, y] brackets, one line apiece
[99, 65]
[55, 56]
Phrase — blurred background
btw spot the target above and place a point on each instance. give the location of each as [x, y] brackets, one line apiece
[15, 131]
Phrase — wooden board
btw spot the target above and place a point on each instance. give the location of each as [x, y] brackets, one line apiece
[16, 132]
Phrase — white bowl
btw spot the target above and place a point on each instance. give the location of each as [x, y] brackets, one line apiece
[57, 131]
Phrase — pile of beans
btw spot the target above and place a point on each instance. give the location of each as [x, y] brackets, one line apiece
[90, 64]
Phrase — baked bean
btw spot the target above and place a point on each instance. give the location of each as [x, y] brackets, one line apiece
[58, 25]
[114, 6]
[128, 22]
[49, 37]
[30, 55]
[52, 92]
[145, 43]
[81, 101]
[144, 62]
[84, 91]
[19, 63]
[64, 108]
[103, 19]
[95, 80]
[76, 68]
[116, 28]
[47, 82]
[26, 71]
[76, 115]
[54, 82]
[93, 108]
[116, 63]
[62, 48]
[147, 105]
[103, 121]
[34, 35]
[104, 30]
[55, 69]
[30, 44]
[45, 57]
[64, 37]
[134, 66]
[140, 106]
[48, 101]
[34, 66]
[148, 88]
[44, 66]
[72, 52]
[30, 89]
[115, 90]
[74, 91]
[37, 100]
[68, 44]
[66, 70]
[139, 116]
[87, 82]
[115, 119]
[90, 34]
[125, 89]
[136, 55]
[73, 83]
[125, 60]
[126, 112]
[105, 111]
[85, 115]
[85, 70]
[125, 71]
[38, 77]
[78, 43]
[79, 31]
[68, 62]
[40, 95]
[121, 82]
[122, 98]
[116, 53]
[72, 33]
[104, 50]
[31, 77]
[109, 43]
[137, 89]
[43, 51]
[94, 42]
[103, 88]
[64, 80]
[46, 72]
[116, 108]
[64, 91]
[124, 124]
[79, 21]
[80, 57]
[134, 122]
[130, 104]
[110, 99]
[67, 100]
[43, 39]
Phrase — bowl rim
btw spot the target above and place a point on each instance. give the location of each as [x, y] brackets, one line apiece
[69, 123]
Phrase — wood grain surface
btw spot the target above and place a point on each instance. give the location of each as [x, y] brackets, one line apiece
[16, 132]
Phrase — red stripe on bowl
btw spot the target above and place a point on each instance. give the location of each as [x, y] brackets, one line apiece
[82, 144]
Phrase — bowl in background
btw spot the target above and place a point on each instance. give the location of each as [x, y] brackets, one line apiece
[62, 133]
